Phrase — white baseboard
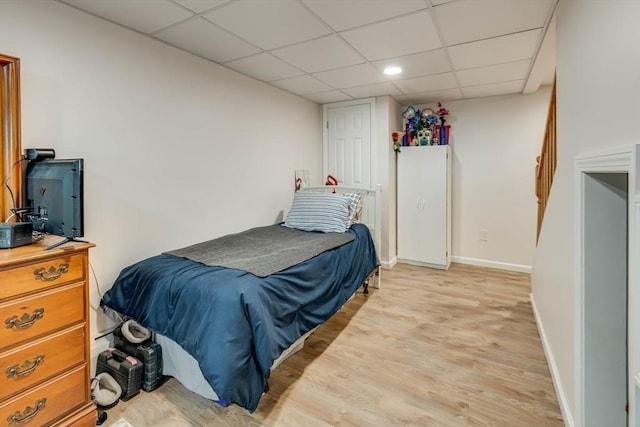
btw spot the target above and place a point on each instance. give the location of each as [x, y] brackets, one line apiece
[553, 368]
[97, 347]
[388, 265]
[492, 264]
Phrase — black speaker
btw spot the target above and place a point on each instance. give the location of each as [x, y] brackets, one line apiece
[14, 234]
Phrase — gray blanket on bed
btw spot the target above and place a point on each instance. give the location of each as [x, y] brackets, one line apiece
[263, 250]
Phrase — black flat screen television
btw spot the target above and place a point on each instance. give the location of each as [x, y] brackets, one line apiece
[54, 193]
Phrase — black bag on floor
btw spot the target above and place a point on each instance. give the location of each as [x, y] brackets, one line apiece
[127, 371]
[149, 352]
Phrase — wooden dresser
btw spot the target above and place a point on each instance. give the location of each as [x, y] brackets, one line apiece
[44, 336]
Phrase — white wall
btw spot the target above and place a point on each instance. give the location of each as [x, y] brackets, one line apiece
[177, 149]
[598, 105]
[388, 119]
[495, 141]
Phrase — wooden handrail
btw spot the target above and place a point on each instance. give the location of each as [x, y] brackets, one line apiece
[546, 161]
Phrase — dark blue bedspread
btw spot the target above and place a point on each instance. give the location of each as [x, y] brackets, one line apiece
[236, 324]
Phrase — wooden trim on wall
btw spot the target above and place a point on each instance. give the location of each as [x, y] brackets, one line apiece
[10, 143]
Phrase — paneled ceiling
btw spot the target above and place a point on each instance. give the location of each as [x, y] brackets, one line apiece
[336, 50]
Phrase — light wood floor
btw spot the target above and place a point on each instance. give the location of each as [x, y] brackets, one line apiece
[429, 348]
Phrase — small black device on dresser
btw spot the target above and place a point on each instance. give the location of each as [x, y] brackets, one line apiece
[14, 234]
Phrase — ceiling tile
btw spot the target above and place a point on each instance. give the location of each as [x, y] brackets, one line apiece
[329, 50]
[468, 20]
[264, 66]
[435, 96]
[356, 75]
[509, 48]
[494, 73]
[418, 64]
[377, 89]
[199, 6]
[543, 69]
[427, 84]
[202, 38]
[145, 16]
[302, 85]
[396, 37]
[354, 13]
[320, 54]
[402, 99]
[327, 97]
[503, 88]
[269, 24]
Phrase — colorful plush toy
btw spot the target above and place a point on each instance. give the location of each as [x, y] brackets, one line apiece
[424, 136]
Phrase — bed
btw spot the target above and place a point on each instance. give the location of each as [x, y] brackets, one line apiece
[226, 317]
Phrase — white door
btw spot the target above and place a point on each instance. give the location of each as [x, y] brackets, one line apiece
[348, 143]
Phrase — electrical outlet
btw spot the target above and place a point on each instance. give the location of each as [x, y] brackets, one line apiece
[484, 235]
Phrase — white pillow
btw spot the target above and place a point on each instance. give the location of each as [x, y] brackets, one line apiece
[319, 212]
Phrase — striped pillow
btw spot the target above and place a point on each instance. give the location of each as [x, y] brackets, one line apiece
[319, 212]
[354, 207]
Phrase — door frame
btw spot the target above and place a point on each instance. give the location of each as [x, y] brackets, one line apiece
[325, 134]
[10, 137]
[622, 159]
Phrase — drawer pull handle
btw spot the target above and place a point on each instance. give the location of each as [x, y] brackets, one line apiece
[26, 368]
[28, 414]
[52, 273]
[25, 321]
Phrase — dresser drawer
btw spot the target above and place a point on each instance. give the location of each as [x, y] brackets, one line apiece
[27, 365]
[29, 317]
[43, 404]
[41, 275]
[84, 417]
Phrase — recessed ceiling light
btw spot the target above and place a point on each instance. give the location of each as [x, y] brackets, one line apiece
[392, 70]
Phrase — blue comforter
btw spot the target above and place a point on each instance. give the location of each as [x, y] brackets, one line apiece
[236, 324]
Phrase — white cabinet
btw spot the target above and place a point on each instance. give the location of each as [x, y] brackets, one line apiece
[424, 206]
